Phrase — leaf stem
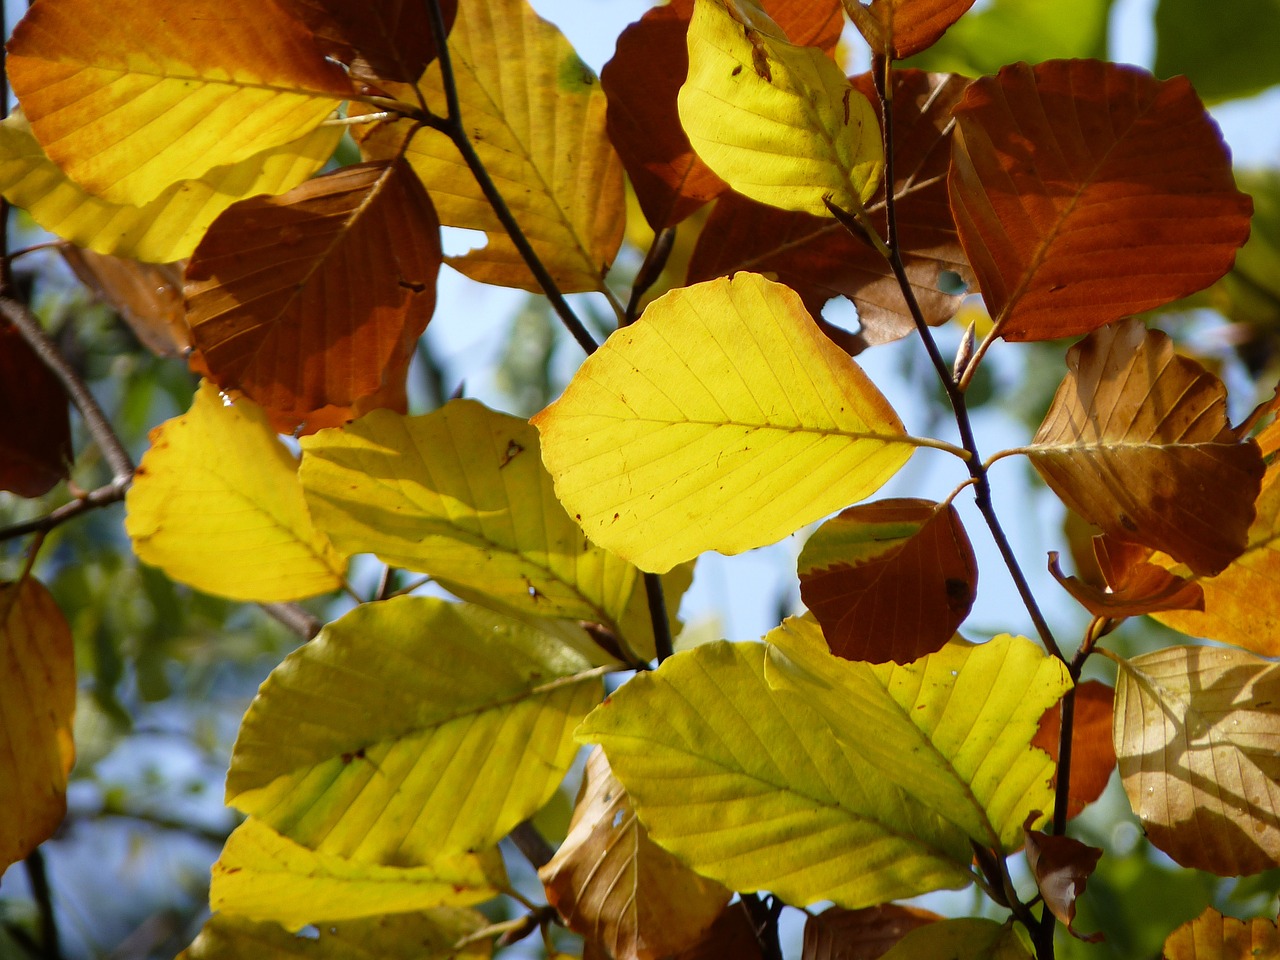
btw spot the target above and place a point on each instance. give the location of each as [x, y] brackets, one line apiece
[764, 920]
[662, 643]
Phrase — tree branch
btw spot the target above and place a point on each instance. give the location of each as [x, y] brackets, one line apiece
[764, 920]
[300, 621]
[38, 877]
[531, 844]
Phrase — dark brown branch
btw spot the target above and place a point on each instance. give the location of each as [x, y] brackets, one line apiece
[662, 643]
[531, 844]
[110, 493]
[38, 877]
[764, 920]
[301, 622]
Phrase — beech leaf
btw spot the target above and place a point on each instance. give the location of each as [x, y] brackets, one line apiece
[1087, 191]
[1137, 442]
[147, 296]
[965, 939]
[722, 420]
[1062, 867]
[867, 934]
[1093, 755]
[890, 580]
[35, 420]
[899, 28]
[1135, 585]
[1195, 733]
[128, 106]
[1211, 936]
[317, 298]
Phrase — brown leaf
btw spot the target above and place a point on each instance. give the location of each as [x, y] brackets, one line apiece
[819, 259]
[901, 28]
[840, 934]
[1093, 756]
[1062, 867]
[35, 424]
[618, 888]
[1195, 736]
[147, 296]
[1135, 586]
[1137, 442]
[316, 298]
[732, 935]
[1211, 936]
[890, 580]
[1087, 191]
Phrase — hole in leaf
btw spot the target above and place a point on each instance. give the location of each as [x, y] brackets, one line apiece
[457, 241]
[952, 283]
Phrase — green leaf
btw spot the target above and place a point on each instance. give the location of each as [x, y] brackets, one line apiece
[410, 729]
[968, 938]
[754, 792]
[779, 123]
[953, 729]
[1223, 57]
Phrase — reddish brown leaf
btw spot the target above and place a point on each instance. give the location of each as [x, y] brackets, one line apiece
[35, 425]
[1137, 442]
[732, 935]
[1135, 586]
[839, 934]
[818, 257]
[315, 299]
[1062, 867]
[147, 296]
[901, 28]
[1211, 936]
[1093, 755]
[890, 580]
[1087, 191]
[642, 81]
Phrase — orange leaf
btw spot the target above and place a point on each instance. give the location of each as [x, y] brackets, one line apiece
[147, 296]
[1135, 586]
[37, 703]
[1093, 755]
[1137, 442]
[1087, 191]
[839, 934]
[618, 888]
[1062, 867]
[890, 580]
[900, 28]
[819, 259]
[389, 40]
[316, 298]
[1211, 936]
[35, 426]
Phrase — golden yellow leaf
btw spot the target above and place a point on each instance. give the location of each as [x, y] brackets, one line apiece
[1196, 732]
[128, 106]
[779, 123]
[536, 115]
[722, 420]
[37, 704]
[262, 875]
[1211, 936]
[165, 228]
[216, 504]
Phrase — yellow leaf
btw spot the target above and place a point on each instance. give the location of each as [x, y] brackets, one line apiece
[429, 935]
[952, 729]
[37, 704]
[216, 504]
[722, 420]
[161, 230]
[130, 105]
[264, 876]
[1211, 936]
[1195, 732]
[410, 729]
[536, 116]
[968, 938]
[779, 123]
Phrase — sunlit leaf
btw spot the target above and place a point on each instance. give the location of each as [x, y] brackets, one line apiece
[618, 888]
[817, 256]
[165, 228]
[751, 791]
[261, 875]
[965, 939]
[1062, 867]
[35, 423]
[779, 123]
[890, 580]
[1211, 936]
[147, 296]
[1086, 191]
[130, 105]
[37, 703]
[722, 420]
[1135, 585]
[316, 298]
[1137, 442]
[411, 729]
[953, 729]
[900, 28]
[838, 934]
[389, 40]
[1196, 730]
[1093, 755]
[216, 504]
[429, 935]
[536, 116]
[1224, 57]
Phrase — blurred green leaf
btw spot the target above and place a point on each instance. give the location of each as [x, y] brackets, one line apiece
[1226, 56]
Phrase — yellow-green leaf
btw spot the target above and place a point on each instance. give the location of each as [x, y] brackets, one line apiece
[130, 105]
[410, 729]
[429, 935]
[262, 875]
[952, 729]
[779, 123]
[161, 230]
[462, 494]
[536, 116]
[37, 703]
[753, 791]
[216, 504]
[968, 938]
[722, 420]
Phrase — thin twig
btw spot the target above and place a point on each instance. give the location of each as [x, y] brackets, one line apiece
[765, 923]
[304, 624]
[101, 497]
[38, 878]
[531, 844]
[662, 643]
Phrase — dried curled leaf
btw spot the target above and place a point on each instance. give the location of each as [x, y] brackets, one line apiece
[1062, 867]
[1135, 585]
